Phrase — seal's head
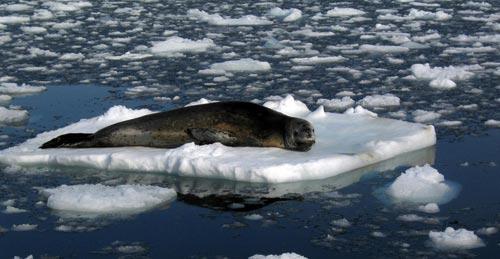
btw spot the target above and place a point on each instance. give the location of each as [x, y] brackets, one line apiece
[299, 135]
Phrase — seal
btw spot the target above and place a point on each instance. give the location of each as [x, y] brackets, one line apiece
[232, 123]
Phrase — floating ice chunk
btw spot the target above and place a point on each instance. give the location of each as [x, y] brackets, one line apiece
[13, 210]
[310, 33]
[318, 60]
[424, 15]
[378, 234]
[422, 116]
[452, 239]
[417, 218]
[72, 56]
[36, 52]
[217, 19]
[483, 38]
[71, 6]
[130, 56]
[336, 104]
[5, 99]
[344, 12]
[18, 7]
[343, 222]
[24, 227]
[240, 65]
[42, 14]
[8, 116]
[377, 100]
[442, 83]
[429, 208]
[253, 217]
[492, 123]
[421, 184]
[15, 89]
[98, 198]
[460, 50]
[33, 29]
[281, 256]
[425, 72]
[14, 19]
[382, 48]
[341, 146]
[4, 38]
[175, 45]
[287, 15]
[487, 231]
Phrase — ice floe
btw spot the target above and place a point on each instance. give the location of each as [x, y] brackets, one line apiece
[175, 45]
[344, 12]
[240, 65]
[377, 100]
[451, 239]
[102, 199]
[15, 89]
[217, 19]
[281, 256]
[24, 227]
[421, 184]
[442, 77]
[10, 116]
[344, 142]
[286, 15]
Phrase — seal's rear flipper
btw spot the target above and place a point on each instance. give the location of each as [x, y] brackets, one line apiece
[204, 136]
[71, 140]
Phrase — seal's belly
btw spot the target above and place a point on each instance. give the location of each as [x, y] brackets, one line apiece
[148, 138]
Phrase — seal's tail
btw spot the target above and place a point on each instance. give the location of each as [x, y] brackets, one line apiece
[71, 140]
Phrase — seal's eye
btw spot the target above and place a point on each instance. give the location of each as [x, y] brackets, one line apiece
[296, 133]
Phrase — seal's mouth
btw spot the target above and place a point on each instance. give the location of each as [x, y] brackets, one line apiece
[305, 145]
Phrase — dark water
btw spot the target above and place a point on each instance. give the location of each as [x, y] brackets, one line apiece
[296, 216]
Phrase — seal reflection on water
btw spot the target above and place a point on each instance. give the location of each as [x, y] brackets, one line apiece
[230, 123]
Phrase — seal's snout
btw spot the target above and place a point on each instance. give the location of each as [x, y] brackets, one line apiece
[304, 136]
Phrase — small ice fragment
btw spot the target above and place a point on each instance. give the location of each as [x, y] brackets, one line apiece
[429, 208]
[281, 256]
[452, 239]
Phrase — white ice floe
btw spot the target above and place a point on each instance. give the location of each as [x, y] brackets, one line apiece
[487, 231]
[423, 116]
[286, 15]
[102, 199]
[443, 77]
[421, 184]
[308, 32]
[386, 100]
[343, 222]
[281, 256]
[344, 142]
[336, 104]
[344, 12]
[318, 60]
[13, 210]
[452, 239]
[382, 48]
[240, 65]
[13, 19]
[217, 19]
[492, 123]
[254, 217]
[429, 208]
[8, 116]
[24, 227]
[416, 14]
[5, 99]
[72, 56]
[15, 89]
[175, 45]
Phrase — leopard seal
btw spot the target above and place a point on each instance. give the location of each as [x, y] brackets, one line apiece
[231, 123]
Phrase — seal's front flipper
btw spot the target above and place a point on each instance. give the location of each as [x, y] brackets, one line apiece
[71, 140]
[203, 136]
